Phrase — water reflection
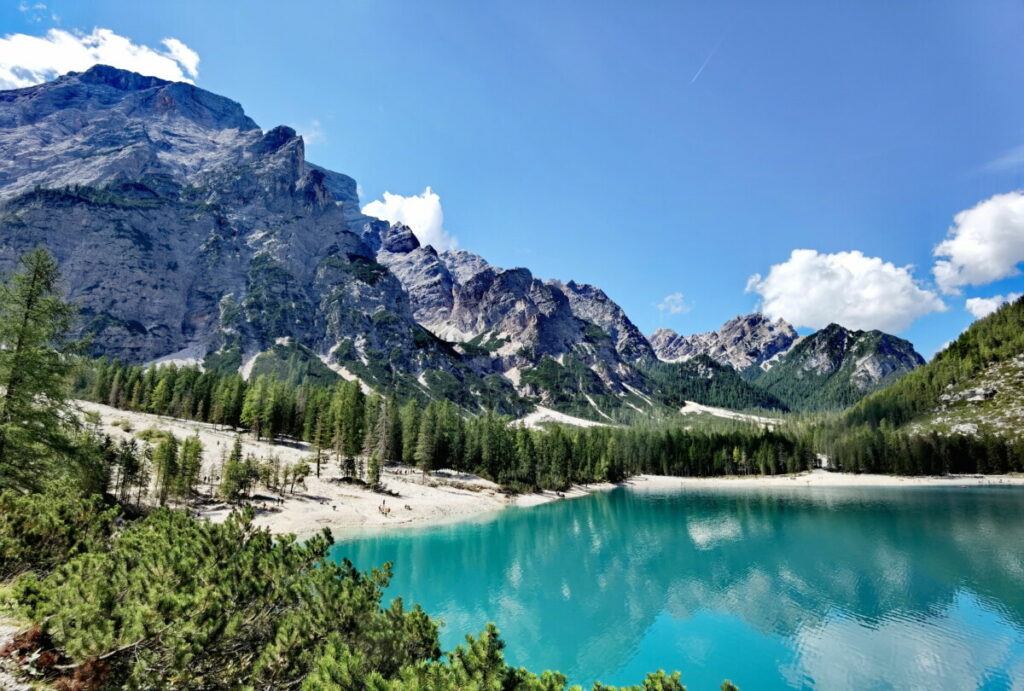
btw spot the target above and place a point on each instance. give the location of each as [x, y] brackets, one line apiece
[809, 587]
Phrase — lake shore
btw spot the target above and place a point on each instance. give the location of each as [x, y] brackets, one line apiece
[410, 498]
[821, 478]
[413, 500]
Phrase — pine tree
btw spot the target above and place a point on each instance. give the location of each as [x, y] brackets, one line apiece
[165, 461]
[189, 466]
[373, 471]
[234, 476]
[426, 440]
[34, 366]
[161, 398]
[253, 406]
[410, 419]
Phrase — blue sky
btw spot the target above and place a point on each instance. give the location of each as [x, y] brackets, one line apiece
[654, 148]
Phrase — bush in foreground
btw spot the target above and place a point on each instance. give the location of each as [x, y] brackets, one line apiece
[171, 602]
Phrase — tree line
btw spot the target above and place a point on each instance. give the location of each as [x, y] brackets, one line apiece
[361, 432]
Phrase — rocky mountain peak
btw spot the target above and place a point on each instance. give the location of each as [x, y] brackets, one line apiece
[116, 78]
[836, 366]
[743, 342]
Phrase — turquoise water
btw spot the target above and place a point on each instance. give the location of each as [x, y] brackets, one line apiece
[772, 588]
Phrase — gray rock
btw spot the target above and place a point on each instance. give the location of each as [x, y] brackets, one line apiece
[742, 343]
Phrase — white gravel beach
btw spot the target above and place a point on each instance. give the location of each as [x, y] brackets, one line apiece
[440, 497]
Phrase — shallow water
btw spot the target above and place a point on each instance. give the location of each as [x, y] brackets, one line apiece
[831, 588]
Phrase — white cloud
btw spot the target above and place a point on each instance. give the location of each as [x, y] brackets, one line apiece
[312, 133]
[421, 212]
[985, 243]
[982, 307]
[183, 55]
[858, 292]
[674, 304]
[26, 60]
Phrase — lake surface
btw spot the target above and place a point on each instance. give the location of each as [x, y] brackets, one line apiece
[830, 588]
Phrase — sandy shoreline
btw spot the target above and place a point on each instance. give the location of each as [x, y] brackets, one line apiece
[441, 497]
[325, 502]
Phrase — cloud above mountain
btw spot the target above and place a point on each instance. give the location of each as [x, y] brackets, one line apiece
[984, 244]
[812, 290]
[26, 60]
[674, 304]
[421, 212]
[982, 307]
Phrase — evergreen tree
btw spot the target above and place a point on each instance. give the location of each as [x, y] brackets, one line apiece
[165, 462]
[34, 368]
[189, 466]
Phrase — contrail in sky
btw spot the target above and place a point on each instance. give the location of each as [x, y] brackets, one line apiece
[706, 61]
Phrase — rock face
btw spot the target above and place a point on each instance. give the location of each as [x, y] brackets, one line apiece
[185, 232]
[835, 367]
[181, 227]
[519, 320]
[742, 343]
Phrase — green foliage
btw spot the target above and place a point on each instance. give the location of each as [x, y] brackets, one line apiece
[485, 343]
[274, 303]
[238, 475]
[801, 388]
[875, 434]
[171, 602]
[225, 361]
[176, 602]
[153, 435]
[995, 338]
[34, 370]
[39, 532]
[573, 387]
[292, 364]
[702, 380]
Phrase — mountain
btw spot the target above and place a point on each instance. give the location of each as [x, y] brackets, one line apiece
[835, 367]
[973, 386]
[746, 343]
[187, 234]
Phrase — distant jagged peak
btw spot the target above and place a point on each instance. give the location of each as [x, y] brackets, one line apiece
[743, 342]
[464, 264]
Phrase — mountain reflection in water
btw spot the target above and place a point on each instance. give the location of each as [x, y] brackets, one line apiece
[772, 588]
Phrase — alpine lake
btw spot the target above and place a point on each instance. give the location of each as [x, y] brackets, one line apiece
[772, 588]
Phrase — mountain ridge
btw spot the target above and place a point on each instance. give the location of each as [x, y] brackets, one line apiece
[188, 233]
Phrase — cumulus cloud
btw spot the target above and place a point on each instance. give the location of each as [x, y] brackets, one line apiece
[858, 292]
[674, 304]
[421, 212]
[26, 60]
[982, 307]
[984, 244]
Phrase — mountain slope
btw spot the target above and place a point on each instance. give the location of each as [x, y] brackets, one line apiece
[183, 230]
[835, 367]
[976, 384]
[188, 234]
